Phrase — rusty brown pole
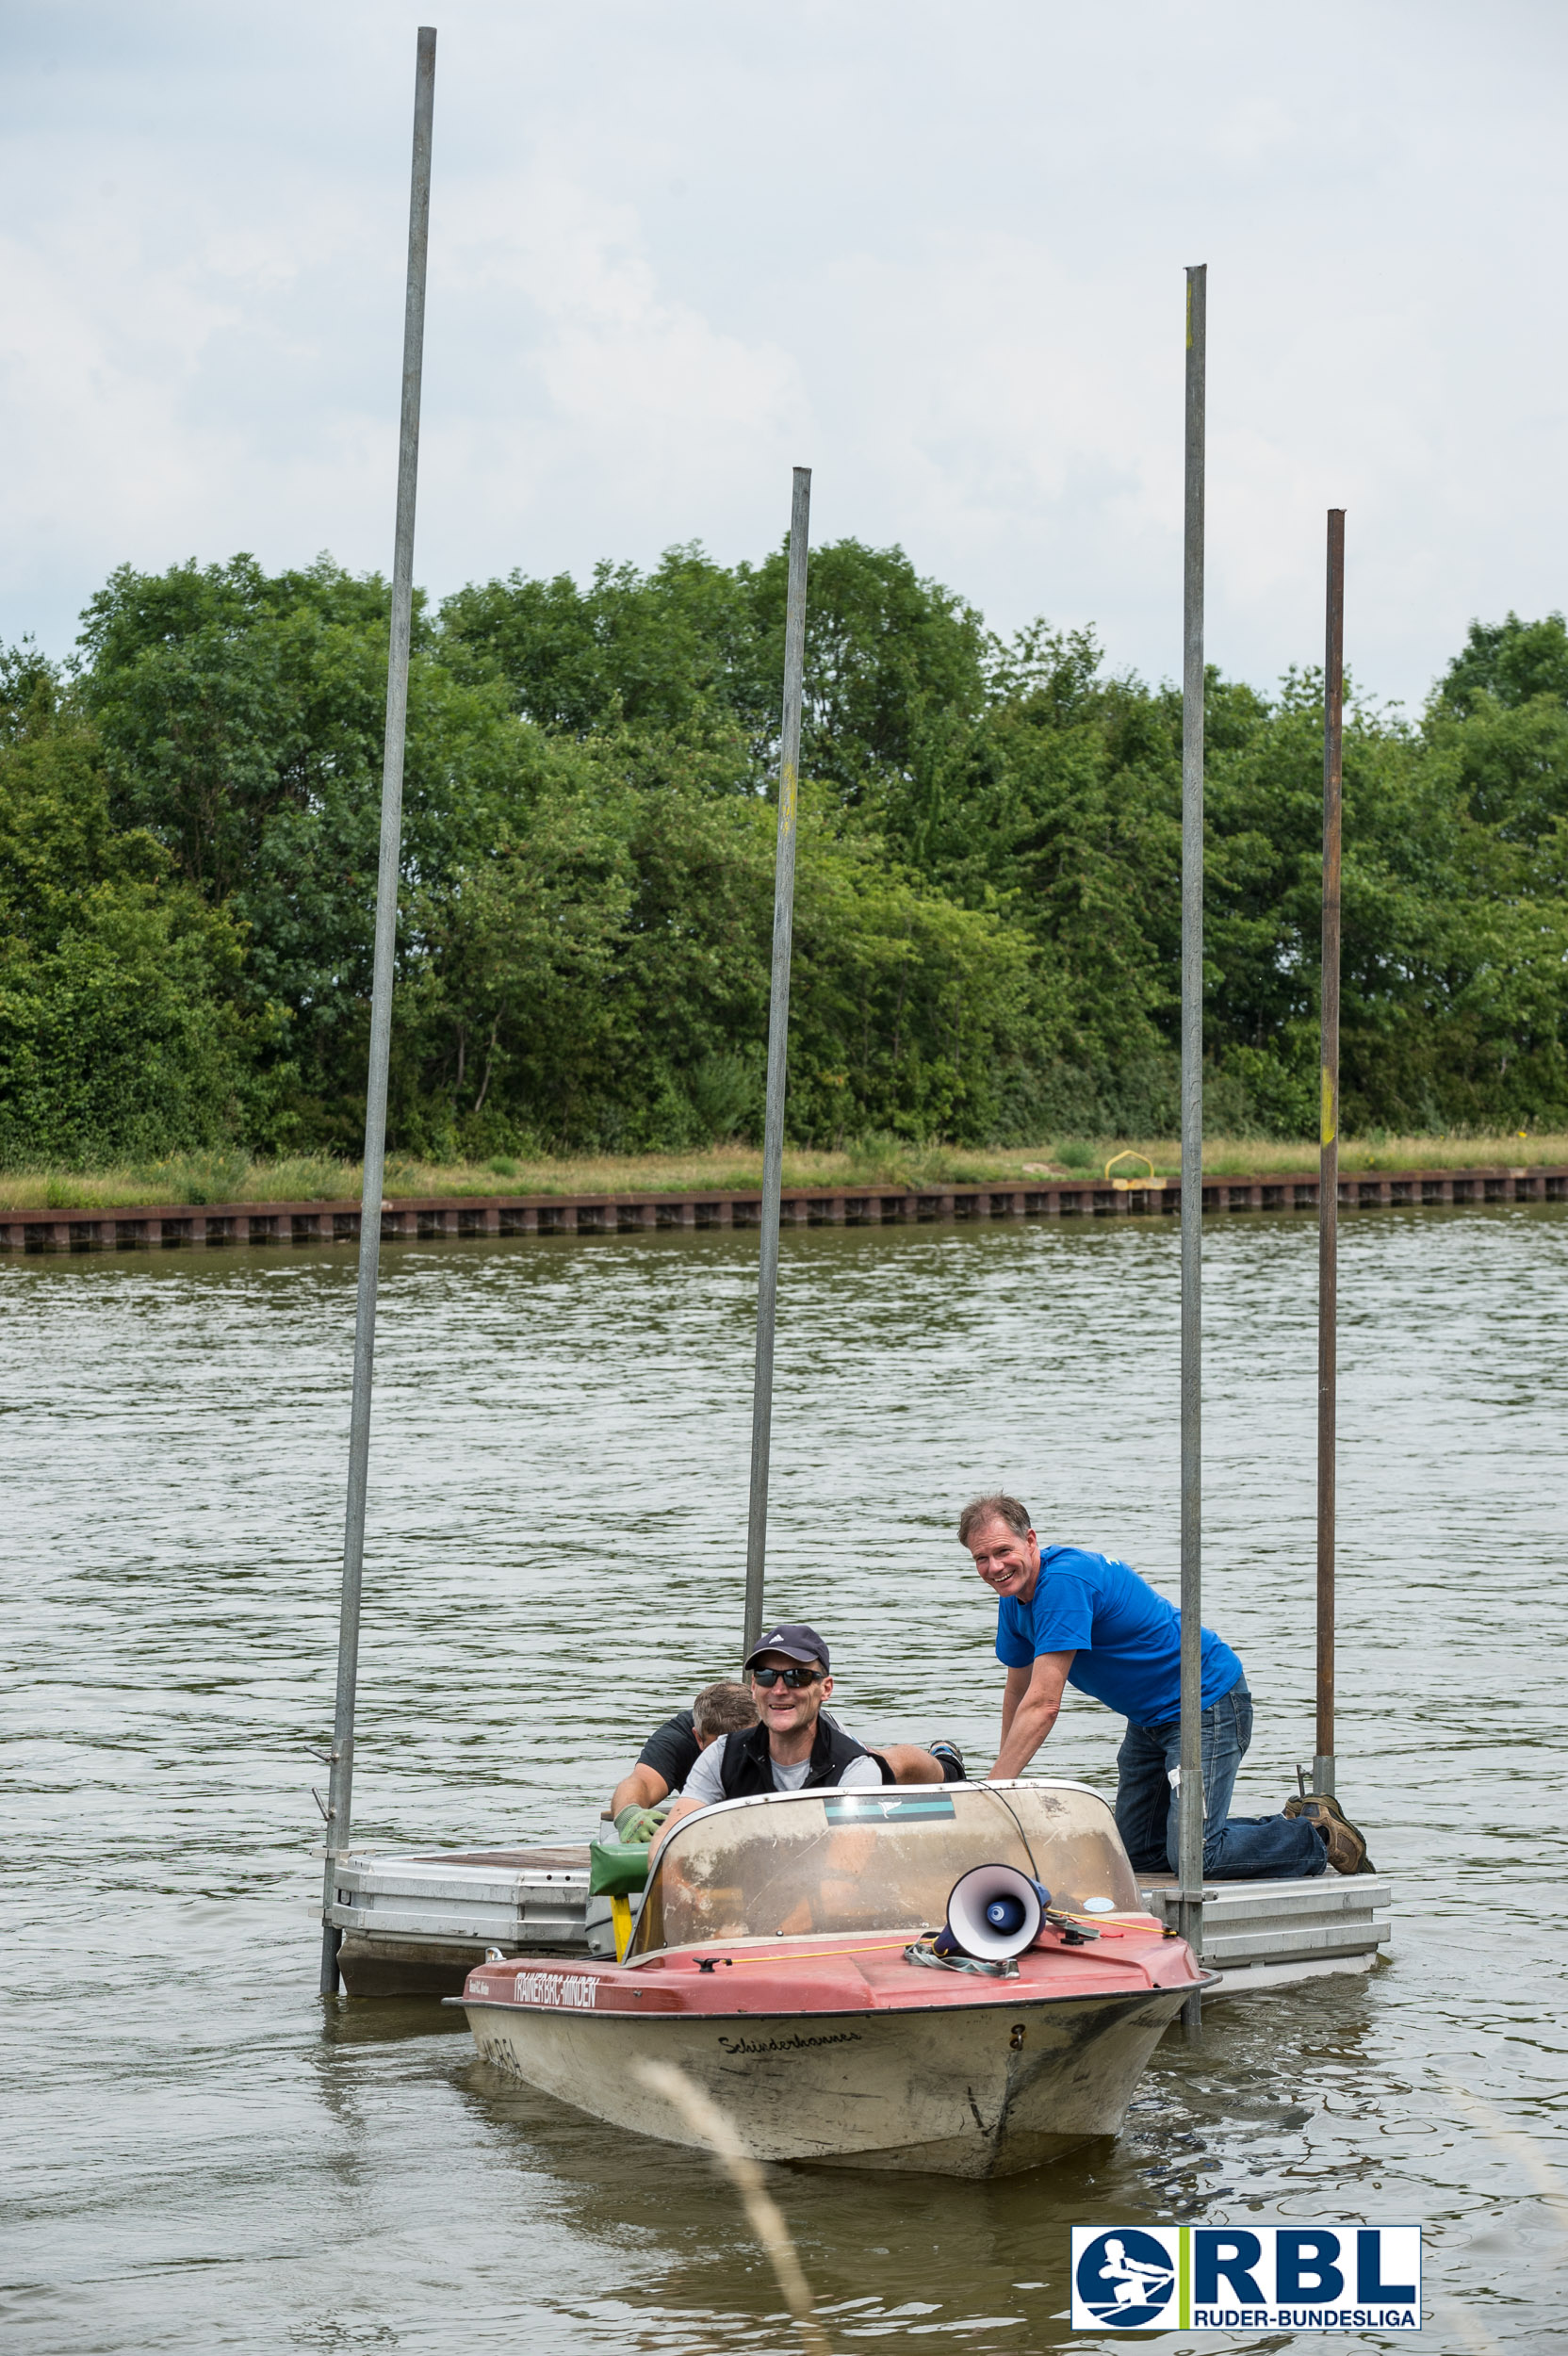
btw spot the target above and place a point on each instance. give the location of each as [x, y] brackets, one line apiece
[1328, 1165]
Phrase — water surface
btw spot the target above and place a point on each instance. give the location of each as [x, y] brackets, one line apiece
[203, 2157]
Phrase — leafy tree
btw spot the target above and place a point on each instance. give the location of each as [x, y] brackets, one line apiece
[694, 646]
[1511, 660]
[988, 920]
[659, 651]
[118, 1031]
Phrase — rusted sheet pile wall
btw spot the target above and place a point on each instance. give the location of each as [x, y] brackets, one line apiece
[163, 1225]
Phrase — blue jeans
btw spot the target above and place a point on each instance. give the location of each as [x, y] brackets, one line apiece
[1236, 1848]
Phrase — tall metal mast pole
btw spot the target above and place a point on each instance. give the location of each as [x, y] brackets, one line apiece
[340, 1791]
[1328, 1164]
[1190, 1800]
[778, 1031]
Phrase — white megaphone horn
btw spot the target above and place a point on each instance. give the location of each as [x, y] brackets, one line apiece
[994, 1913]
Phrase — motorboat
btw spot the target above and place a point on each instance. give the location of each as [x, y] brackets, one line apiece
[807, 1959]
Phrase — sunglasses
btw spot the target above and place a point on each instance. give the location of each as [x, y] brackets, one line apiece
[793, 1678]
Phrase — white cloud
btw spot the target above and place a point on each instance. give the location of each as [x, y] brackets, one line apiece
[936, 253]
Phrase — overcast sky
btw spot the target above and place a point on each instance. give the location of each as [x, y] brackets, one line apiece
[935, 252]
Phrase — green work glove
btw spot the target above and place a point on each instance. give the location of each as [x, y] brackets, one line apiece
[636, 1826]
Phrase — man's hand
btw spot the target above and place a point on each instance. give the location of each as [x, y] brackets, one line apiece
[1029, 1709]
[636, 1824]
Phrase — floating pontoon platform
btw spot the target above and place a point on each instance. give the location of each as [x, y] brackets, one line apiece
[1259, 1935]
[415, 1923]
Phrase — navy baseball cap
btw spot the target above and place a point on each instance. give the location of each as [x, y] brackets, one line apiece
[794, 1640]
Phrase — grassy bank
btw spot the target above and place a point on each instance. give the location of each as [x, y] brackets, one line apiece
[236, 1178]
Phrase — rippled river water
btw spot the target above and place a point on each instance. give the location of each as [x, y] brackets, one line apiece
[201, 2155]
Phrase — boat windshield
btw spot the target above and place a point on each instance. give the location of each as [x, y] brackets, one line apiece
[807, 1863]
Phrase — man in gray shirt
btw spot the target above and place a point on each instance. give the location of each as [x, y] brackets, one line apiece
[794, 1747]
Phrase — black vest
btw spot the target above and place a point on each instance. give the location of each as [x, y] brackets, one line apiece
[747, 1766]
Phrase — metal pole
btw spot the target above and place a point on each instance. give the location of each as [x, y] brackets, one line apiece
[340, 1791]
[1190, 1798]
[778, 1031]
[1328, 1161]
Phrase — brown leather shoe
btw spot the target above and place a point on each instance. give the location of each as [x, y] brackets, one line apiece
[1347, 1845]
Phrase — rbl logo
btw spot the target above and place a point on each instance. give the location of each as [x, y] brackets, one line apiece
[1271, 2278]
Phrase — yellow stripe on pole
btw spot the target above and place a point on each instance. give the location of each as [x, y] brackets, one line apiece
[1329, 1128]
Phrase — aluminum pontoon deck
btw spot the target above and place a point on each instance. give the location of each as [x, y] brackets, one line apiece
[415, 1923]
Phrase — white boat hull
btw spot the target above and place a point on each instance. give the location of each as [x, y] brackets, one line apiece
[963, 2090]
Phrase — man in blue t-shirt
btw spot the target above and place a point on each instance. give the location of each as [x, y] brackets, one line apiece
[1067, 1617]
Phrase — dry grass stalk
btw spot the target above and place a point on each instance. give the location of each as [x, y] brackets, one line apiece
[705, 2120]
[1520, 2145]
[1471, 2331]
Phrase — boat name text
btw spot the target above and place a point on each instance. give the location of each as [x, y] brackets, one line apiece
[785, 2044]
[577, 1989]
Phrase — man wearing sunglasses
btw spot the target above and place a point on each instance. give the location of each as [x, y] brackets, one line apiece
[794, 1747]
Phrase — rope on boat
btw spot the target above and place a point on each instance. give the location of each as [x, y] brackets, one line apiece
[1004, 1968]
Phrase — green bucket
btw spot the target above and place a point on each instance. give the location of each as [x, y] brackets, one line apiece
[617, 1869]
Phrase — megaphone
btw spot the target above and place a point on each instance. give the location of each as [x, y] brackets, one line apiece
[994, 1913]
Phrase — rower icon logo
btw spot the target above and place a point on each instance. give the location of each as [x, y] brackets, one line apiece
[1127, 2279]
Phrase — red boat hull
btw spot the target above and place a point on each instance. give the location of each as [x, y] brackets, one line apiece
[841, 2053]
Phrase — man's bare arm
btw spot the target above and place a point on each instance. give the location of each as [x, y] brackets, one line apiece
[1029, 1711]
[644, 1788]
[1013, 1692]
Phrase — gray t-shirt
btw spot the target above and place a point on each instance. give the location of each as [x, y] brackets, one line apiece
[705, 1782]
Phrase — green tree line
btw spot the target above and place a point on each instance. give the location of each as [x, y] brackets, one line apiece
[986, 926]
